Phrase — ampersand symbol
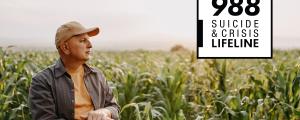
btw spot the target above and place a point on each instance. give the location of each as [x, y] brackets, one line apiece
[214, 33]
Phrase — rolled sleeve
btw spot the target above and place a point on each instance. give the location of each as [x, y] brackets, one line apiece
[107, 96]
[111, 104]
[114, 111]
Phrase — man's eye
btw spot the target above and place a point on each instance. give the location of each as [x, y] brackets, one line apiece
[82, 40]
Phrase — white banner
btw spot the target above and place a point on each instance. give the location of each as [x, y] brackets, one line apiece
[234, 29]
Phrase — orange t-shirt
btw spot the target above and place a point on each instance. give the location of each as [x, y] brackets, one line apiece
[83, 101]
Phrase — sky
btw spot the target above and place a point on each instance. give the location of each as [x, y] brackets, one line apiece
[125, 24]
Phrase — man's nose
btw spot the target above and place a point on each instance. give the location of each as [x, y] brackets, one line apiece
[89, 45]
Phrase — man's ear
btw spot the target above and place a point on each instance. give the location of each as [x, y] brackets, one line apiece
[65, 48]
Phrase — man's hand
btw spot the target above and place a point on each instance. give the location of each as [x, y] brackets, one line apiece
[100, 114]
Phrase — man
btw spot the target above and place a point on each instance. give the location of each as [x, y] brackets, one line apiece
[70, 89]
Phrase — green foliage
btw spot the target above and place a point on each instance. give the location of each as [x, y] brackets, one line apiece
[171, 85]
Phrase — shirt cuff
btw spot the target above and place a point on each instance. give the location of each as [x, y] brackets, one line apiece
[114, 112]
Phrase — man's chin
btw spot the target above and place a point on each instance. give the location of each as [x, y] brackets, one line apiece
[87, 58]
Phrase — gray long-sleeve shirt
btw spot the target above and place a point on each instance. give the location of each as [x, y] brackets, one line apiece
[51, 94]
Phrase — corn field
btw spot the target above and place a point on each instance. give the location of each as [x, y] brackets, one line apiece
[157, 85]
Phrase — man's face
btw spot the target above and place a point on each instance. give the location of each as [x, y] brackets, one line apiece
[80, 47]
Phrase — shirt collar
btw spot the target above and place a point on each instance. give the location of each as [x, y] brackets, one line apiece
[88, 69]
[59, 69]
